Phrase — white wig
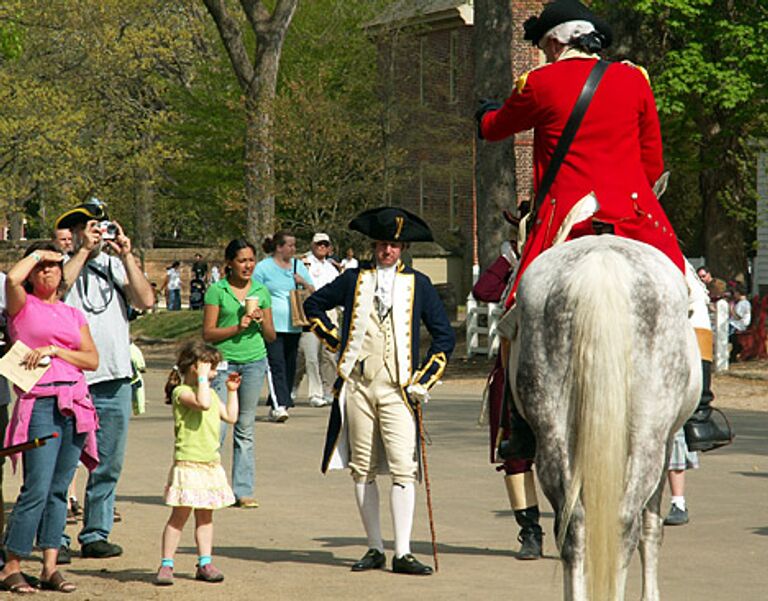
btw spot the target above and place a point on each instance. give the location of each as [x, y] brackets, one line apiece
[566, 32]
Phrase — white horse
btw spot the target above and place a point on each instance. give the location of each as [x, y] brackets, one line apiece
[605, 368]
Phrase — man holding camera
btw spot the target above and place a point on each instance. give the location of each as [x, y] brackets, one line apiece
[104, 286]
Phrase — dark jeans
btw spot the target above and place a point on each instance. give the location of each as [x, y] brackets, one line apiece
[282, 366]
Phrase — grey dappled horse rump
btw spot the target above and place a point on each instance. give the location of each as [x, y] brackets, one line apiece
[604, 366]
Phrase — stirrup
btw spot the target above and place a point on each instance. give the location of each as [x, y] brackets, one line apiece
[730, 436]
[729, 433]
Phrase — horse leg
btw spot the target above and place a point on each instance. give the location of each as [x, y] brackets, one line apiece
[573, 553]
[650, 544]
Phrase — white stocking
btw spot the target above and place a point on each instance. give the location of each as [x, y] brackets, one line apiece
[402, 500]
[367, 497]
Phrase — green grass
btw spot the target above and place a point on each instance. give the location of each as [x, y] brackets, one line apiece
[169, 325]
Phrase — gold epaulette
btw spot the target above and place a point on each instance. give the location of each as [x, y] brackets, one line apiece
[639, 68]
[521, 81]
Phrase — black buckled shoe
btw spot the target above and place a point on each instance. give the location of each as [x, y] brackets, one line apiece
[372, 560]
[531, 535]
[530, 544]
[408, 564]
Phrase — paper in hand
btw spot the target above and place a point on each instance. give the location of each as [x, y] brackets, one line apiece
[12, 367]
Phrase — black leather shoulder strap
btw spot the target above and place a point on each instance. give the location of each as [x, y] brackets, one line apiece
[569, 132]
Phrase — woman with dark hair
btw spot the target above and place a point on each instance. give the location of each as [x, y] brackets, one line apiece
[58, 404]
[281, 273]
[237, 320]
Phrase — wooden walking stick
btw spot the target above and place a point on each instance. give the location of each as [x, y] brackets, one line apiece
[426, 483]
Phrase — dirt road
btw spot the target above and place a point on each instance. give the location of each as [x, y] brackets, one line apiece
[300, 543]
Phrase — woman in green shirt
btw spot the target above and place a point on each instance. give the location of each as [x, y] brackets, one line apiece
[237, 319]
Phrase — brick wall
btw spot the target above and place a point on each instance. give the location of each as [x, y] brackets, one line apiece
[524, 58]
[417, 67]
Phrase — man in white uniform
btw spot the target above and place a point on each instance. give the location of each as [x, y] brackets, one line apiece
[319, 361]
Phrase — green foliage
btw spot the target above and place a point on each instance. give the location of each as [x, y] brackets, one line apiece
[708, 60]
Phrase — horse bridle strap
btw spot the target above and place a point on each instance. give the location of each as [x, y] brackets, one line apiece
[569, 132]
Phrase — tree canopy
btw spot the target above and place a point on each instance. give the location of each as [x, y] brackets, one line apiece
[708, 61]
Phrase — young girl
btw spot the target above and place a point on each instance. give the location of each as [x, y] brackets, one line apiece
[196, 480]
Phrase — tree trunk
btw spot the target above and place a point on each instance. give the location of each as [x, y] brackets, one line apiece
[723, 235]
[258, 80]
[144, 193]
[16, 225]
[495, 166]
[259, 150]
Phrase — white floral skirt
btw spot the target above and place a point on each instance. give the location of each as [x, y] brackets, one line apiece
[198, 485]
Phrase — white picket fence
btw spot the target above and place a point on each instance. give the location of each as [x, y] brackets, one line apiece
[483, 339]
[482, 321]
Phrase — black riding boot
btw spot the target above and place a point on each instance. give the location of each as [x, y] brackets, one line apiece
[701, 432]
[530, 536]
[521, 443]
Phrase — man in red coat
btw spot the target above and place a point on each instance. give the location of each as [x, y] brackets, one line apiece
[616, 154]
[617, 151]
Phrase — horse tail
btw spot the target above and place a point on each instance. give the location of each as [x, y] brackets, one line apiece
[599, 387]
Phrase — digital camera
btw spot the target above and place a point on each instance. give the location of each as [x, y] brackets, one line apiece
[108, 230]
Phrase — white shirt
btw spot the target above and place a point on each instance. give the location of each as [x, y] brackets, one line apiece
[106, 314]
[349, 264]
[385, 282]
[174, 279]
[322, 271]
[742, 315]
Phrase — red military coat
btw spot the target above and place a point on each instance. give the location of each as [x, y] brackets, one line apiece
[616, 154]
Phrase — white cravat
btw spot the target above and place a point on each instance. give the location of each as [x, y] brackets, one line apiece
[385, 281]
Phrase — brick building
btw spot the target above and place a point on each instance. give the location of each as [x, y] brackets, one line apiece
[426, 69]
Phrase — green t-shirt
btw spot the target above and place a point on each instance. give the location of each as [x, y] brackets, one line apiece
[248, 345]
[197, 432]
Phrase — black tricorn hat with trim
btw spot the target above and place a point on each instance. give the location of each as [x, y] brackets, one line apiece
[561, 11]
[92, 209]
[392, 224]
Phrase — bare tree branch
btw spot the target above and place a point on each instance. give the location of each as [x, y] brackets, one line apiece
[232, 37]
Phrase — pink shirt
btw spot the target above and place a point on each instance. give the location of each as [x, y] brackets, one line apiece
[42, 324]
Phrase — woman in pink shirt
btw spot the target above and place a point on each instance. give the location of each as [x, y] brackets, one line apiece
[58, 404]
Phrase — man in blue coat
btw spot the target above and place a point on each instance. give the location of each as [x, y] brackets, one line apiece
[373, 428]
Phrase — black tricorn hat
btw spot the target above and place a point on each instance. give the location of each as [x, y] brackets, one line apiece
[561, 11]
[392, 224]
[93, 209]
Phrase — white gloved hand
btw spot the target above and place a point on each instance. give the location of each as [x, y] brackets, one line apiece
[418, 393]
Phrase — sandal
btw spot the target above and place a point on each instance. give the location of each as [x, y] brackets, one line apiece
[16, 583]
[247, 503]
[57, 583]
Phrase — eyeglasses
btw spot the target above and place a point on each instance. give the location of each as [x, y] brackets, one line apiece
[323, 243]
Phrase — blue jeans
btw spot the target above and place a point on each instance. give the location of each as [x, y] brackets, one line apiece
[174, 300]
[243, 467]
[112, 400]
[41, 508]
